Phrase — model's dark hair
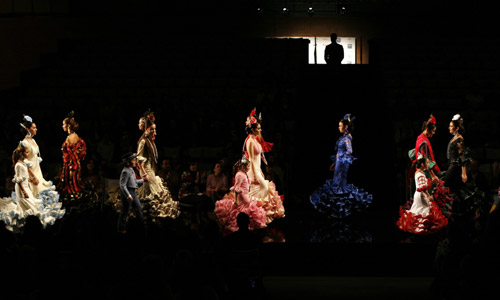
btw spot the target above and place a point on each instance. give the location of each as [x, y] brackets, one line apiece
[70, 120]
[148, 123]
[459, 124]
[148, 119]
[420, 162]
[241, 162]
[27, 125]
[348, 120]
[252, 127]
[428, 125]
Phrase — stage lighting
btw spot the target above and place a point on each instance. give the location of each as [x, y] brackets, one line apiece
[260, 11]
[285, 11]
[310, 11]
[342, 10]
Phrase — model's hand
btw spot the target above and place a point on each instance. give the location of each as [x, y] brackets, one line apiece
[35, 181]
[25, 195]
[130, 198]
[146, 177]
[332, 167]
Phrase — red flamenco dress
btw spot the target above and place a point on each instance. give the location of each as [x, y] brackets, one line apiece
[70, 183]
[424, 215]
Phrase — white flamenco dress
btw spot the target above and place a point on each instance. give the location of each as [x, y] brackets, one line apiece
[262, 190]
[159, 201]
[424, 216]
[15, 210]
[43, 187]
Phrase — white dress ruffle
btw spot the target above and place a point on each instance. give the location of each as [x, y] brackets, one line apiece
[15, 209]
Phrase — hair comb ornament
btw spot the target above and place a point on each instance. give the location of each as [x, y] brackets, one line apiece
[27, 118]
[150, 115]
[457, 117]
[251, 119]
[431, 120]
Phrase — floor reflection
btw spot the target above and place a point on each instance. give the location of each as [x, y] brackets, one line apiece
[340, 232]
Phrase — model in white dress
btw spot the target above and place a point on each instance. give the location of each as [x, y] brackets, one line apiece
[424, 216]
[35, 159]
[15, 209]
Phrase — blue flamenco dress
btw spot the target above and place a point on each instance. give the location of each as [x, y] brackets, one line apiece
[336, 197]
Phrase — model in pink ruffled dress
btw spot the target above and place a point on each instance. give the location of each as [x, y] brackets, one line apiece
[238, 200]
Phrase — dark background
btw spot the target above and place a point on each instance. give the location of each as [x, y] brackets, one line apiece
[203, 66]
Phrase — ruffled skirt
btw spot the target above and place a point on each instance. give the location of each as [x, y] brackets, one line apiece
[46, 207]
[428, 221]
[340, 202]
[157, 200]
[227, 211]
[269, 199]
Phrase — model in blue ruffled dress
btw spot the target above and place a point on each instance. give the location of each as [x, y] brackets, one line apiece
[336, 197]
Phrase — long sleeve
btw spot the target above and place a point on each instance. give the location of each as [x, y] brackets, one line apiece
[140, 151]
[81, 149]
[241, 186]
[238, 182]
[124, 178]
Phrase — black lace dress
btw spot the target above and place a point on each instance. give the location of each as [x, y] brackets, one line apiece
[467, 196]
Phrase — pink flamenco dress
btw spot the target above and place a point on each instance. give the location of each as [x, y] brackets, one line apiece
[425, 215]
[228, 208]
[262, 190]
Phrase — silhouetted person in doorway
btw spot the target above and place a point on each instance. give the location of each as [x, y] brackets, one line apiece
[334, 53]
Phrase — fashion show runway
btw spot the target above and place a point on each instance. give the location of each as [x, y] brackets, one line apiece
[351, 287]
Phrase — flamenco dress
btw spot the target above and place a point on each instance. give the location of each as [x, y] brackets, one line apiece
[15, 209]
[336, 197]
[423, 216]
[70, 184]
[440, 192]
[467, 196]
[262, 190]
[228, 208]
[156, 198]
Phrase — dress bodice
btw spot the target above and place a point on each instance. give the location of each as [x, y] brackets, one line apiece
[21, 174]
[73, 153]
[34, 151]
[344, 149]
[454, 151]
[254, 151]
[147, 152]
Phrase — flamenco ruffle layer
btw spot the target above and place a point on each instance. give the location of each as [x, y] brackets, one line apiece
[269, 200]
[49, 210]
[340, 202]
[158, 203]
[419, 224]
[227, 212]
